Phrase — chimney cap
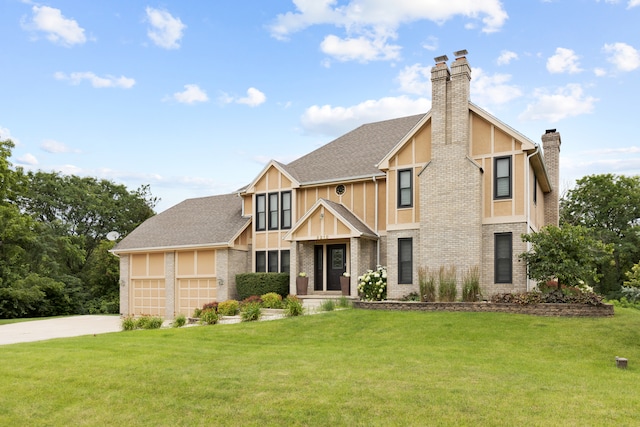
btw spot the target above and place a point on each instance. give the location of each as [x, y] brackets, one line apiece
[550, 131]
[440, 59]
[460, 53]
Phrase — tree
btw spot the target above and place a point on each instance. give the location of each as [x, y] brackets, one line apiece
[609, 206]
[568, 255]
[54, 255]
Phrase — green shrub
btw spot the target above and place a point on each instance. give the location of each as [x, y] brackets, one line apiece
[411, 296]
[556, 297]
[248, 284]
[471, 285]
[328, 305]
[293, 306]
[229, 307]
[271, 300]
[179, 321]
[632, 294]
[149, 322]
[447, 284]
[209, 317]
[128, 323]
[197, 312]
[427, 283]
[251, 312]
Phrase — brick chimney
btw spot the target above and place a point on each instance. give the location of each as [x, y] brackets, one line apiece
[450, 185]
[551, 148]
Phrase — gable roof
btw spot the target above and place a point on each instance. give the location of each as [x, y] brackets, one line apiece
[204, 221]
[356, 226]
[353, 155]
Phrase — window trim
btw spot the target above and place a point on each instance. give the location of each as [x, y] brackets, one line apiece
[508, 237]
[409, 188]
[285, 213]
[261, 216]
[273, 214]
[496, 178]
[273, 255]
[263, 255]
[401, 270]
[282, 264]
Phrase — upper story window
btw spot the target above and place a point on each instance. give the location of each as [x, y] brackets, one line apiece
[261, 212]
[502, 178]
[285, 213]
[405, 188]
[273, 211]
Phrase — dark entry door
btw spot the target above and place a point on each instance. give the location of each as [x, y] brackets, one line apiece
[336, 265]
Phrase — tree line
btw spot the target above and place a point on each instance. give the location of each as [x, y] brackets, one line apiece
[598, 241]
[54, 254]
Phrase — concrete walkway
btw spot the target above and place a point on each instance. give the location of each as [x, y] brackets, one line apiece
[62, 327]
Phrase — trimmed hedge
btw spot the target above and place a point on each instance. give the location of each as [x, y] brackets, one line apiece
[248, 284]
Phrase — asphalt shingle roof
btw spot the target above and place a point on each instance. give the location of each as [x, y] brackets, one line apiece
[354, 154]
[200, 221]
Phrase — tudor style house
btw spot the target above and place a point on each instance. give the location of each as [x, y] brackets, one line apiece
[452, 187]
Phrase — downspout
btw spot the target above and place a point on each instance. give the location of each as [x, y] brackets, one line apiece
[528, 204]
[376, 220]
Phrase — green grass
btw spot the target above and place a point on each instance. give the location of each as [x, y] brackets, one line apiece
[346, 367]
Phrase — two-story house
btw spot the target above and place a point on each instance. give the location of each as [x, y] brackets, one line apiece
[452, 187]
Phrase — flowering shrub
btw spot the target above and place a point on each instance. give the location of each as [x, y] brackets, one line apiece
[372, 285]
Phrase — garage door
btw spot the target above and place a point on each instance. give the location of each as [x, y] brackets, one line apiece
[148, 293]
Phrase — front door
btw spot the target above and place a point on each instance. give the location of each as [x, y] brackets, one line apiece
[336, 265]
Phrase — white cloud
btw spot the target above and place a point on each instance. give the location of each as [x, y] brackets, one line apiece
[599, 72]
[360, 48]
[506, 56]
[370, 24]
[335, 121]
[431, 43]
[623, 56]
[58, 29]
[166, 31]
[566, 101]
[253, 99]
[27, 160]
[4, 133]
[415, 79]
[191, 95]
[55, 147]
[492, 90]
[96, 81]
[564, 61]
[633, 3]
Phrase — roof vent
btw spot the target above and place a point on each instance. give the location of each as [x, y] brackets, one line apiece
[550, 131]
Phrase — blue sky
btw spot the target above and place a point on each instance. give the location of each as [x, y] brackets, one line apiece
[194, 98]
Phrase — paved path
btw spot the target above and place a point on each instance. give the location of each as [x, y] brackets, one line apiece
[61, 327]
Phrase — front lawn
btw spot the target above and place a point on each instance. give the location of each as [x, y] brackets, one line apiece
[349, 367]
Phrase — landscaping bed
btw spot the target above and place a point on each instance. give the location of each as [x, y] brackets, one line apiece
[542, 309]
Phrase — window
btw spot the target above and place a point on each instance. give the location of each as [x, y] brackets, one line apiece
[261, 210]
[261, 262]
[285, 202]
[273, 261]
[502, 180]
[340, 189]
[284, 261]
[405, 188]
[273, 211]
[503, 255]
[405, 260]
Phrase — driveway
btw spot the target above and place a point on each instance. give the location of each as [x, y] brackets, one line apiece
[61, 327]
